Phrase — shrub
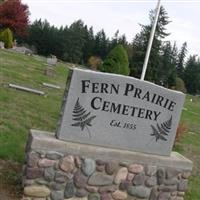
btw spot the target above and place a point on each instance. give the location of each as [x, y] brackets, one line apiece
[94, 62]
[180, 85]
[116, 61]
[181, 130]
[6, 36]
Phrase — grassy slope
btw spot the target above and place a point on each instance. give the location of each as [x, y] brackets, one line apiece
[21, 111]
[190, 144]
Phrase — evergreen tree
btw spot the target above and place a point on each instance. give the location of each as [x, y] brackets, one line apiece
[122, 40]
[88, 48]
[166, 70]
[181, 58]
[6, 36]
[117, 39]
[101, 44]
[75, 42]
[45, 38]
[116, 61]
[127, 46]
[192, 75]
[39, 36]
[175, 53]
[66, 43]
[58, 37]
[140, 46]
[114, 41]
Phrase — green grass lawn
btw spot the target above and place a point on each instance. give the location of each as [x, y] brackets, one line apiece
[190, 144]
[21, 111]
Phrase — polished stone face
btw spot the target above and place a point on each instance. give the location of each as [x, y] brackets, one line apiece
[121, 112]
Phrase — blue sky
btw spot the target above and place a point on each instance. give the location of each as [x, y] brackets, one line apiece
[125, 16]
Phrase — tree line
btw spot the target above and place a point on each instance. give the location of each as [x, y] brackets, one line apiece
[168, 65]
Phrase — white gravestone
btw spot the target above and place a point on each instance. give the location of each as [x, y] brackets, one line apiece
[52, 61]
[2, 45]
[120, 112]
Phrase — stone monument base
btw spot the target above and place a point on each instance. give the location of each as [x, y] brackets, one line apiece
[58, 170]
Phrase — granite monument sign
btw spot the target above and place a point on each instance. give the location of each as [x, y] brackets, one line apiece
[120, 112]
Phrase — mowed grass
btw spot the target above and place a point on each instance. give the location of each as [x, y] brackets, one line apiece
[20, 111]
[189, 145]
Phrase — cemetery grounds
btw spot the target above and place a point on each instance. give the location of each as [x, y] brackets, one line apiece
[21, 111]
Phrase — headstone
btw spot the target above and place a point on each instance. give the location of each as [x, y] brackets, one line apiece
[23, 50]
[49, 71]
[2, 45]
[28, 52]
[52, 60]
[51, 85]
[120, 112]
[18, 87]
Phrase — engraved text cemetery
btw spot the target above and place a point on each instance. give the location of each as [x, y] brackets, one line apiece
[131, 91]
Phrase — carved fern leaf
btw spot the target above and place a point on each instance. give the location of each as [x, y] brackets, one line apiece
[81, 116]
[160, 132]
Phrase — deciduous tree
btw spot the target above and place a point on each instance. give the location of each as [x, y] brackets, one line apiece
[14, 15]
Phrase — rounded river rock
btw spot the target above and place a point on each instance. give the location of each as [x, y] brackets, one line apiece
[88, 166]
[99, 179]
